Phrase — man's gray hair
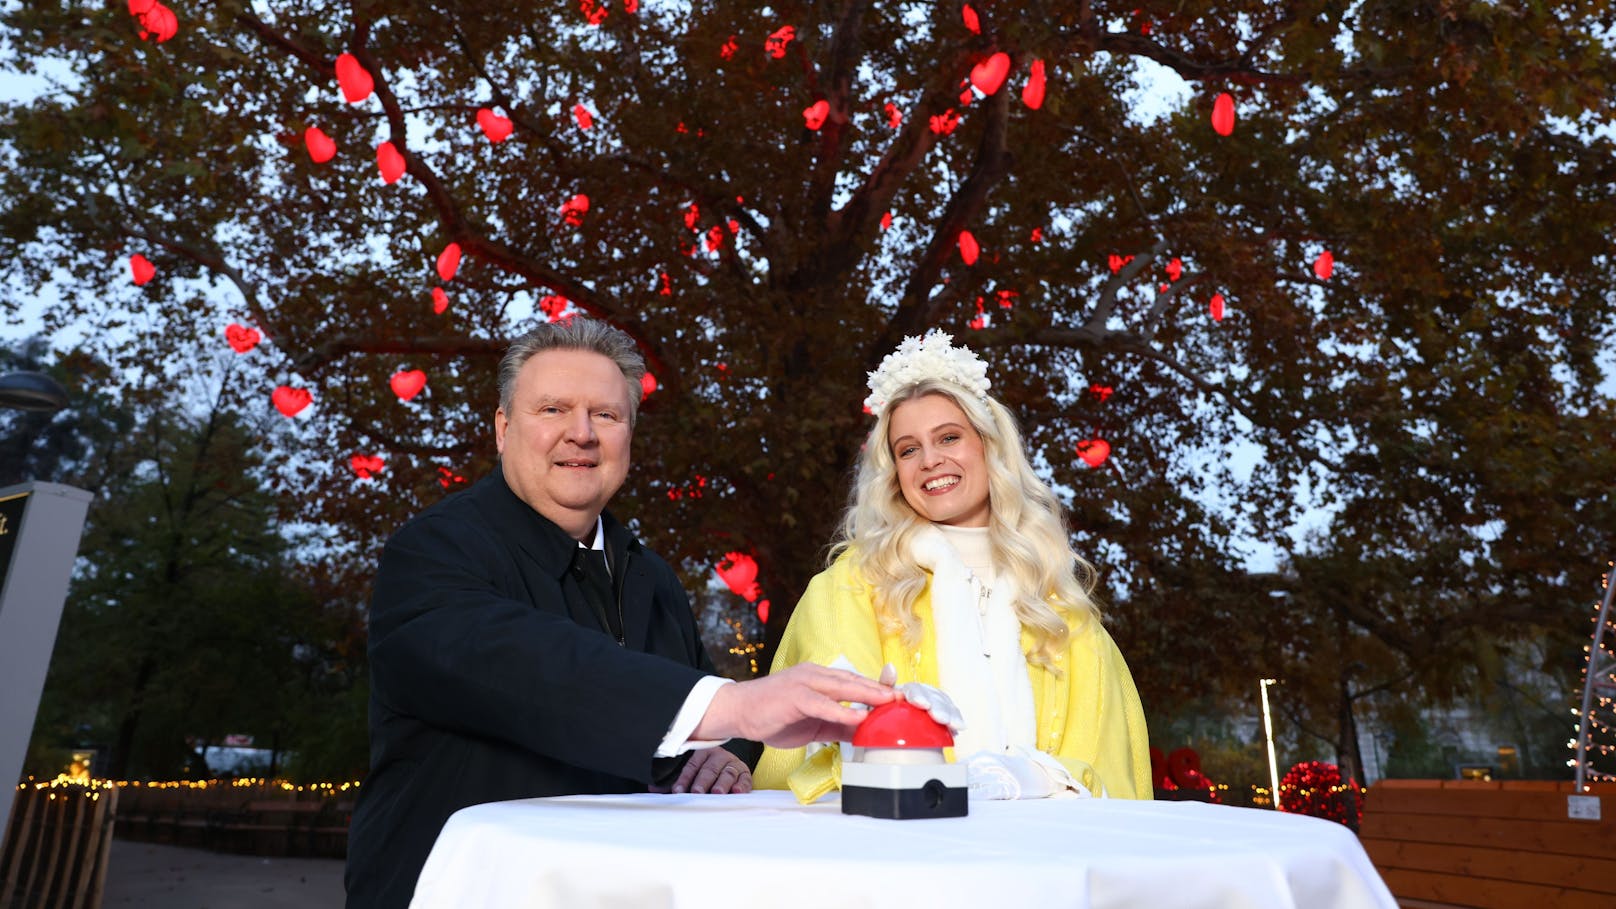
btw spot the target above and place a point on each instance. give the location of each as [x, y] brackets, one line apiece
[576, 333]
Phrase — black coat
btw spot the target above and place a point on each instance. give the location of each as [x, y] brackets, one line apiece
[492, 679]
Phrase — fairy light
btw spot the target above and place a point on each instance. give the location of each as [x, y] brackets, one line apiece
[1598, 686]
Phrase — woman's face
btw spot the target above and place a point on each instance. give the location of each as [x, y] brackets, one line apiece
[941, 467]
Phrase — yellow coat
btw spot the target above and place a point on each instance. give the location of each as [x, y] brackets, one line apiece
[1088, 712]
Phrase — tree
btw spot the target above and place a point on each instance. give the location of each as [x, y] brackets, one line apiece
[1406, 223]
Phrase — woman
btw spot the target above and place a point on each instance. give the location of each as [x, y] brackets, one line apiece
[953, 566]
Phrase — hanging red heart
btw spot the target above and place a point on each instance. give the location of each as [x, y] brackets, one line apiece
[1116, 262]
[968, 247]
[729, 48]
[582, 117]
[573, 210]
[241, 338]
[594, 11]
[666, 289]
[552, 305]
[355, 81]
[495, 127]
[988, 75]
[407, 383]
[971, 20]
[763, 611]
[816, 113]
[366, 465]
[1223, 114]
[739, 572]
[141, 269]
[136, 7]
[647, 385]
[449, 262]
[886, 220]
[1032, 94]
[440, 300]
[894, 116]
[1101, 392]
[389, 162]
[715, 238]
[1094, 451]
[1324, 265]
[775, 44]
[1216, 307]
[1037, 235]
[1175, 269]
[290, 401]
[944, 123]
[321, 146]
[160, 22]
[631, 6]
[1006, 297]
[692, 216]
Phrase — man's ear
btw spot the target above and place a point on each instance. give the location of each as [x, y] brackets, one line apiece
[500, 422]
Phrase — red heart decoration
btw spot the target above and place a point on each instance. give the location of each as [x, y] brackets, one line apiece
[739, 572]
[440, 300]
[692, 216]
[666, 289]
[775, 44]
[552, 305]
[968, 247]
[1032, 94]
[1223, 114]
[1175, 269]
[573, 210]
[241, 338]
[1102, 392]
[366, 465]
[355, 81]
[971, 20]
[1116, 262]
[141, 269]
[894, 116]
[1324, 265]
[446, 477]
[158, 21]
[1217, 307]
[1094, 451]
[407, 383]
[763, 611]
[1037, 235]
[631, 6]
[449, 261]
[715, 238]
[816, 113]
[647, 385]
[1006, 297]
[136, 7]
[990, 73]
[594, 11]
[886, 220]
[729, 48]
[389, 162]
[944, 123]
[495, 127]
[291, 401]
[582, 117]
[321, 146]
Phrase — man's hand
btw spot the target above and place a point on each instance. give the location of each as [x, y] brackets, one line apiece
[712, 770]
[792, 707]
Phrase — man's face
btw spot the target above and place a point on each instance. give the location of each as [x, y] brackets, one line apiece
[564, 444]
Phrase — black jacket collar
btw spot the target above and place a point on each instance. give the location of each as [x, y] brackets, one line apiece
[539, 537]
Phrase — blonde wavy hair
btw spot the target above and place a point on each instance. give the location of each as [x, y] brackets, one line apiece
[1026, 530]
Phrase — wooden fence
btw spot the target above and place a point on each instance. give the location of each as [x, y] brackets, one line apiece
[1493, 844]
[259, 818]
[56, 844]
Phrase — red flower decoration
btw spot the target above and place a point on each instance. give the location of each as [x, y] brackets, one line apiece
[1315, 788]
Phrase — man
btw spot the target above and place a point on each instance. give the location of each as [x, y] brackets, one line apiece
[524, 644]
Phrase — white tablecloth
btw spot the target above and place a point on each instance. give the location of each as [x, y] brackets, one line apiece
[763, 849]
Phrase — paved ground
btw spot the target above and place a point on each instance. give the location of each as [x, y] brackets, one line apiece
[154, 876]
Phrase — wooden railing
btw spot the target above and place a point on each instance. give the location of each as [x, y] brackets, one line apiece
[1493, 845]
[260, 818]
[56, 844]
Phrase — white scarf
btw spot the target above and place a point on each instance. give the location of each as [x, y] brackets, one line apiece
[993, 693]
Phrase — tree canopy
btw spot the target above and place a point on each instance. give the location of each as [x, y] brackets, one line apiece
[1404, 233]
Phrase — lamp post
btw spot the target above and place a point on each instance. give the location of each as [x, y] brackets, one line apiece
[31, 391]
[1268, 733]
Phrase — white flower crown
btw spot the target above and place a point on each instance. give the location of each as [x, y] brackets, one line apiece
[931, 357]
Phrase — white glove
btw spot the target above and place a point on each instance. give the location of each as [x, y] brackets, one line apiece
[932, 700]
[1007, 776]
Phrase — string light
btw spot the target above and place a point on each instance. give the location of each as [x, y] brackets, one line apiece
[1593, 735]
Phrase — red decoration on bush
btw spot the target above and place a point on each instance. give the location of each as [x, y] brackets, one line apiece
[1314, 788]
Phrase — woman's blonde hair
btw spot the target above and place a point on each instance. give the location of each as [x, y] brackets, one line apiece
[1026, 530]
